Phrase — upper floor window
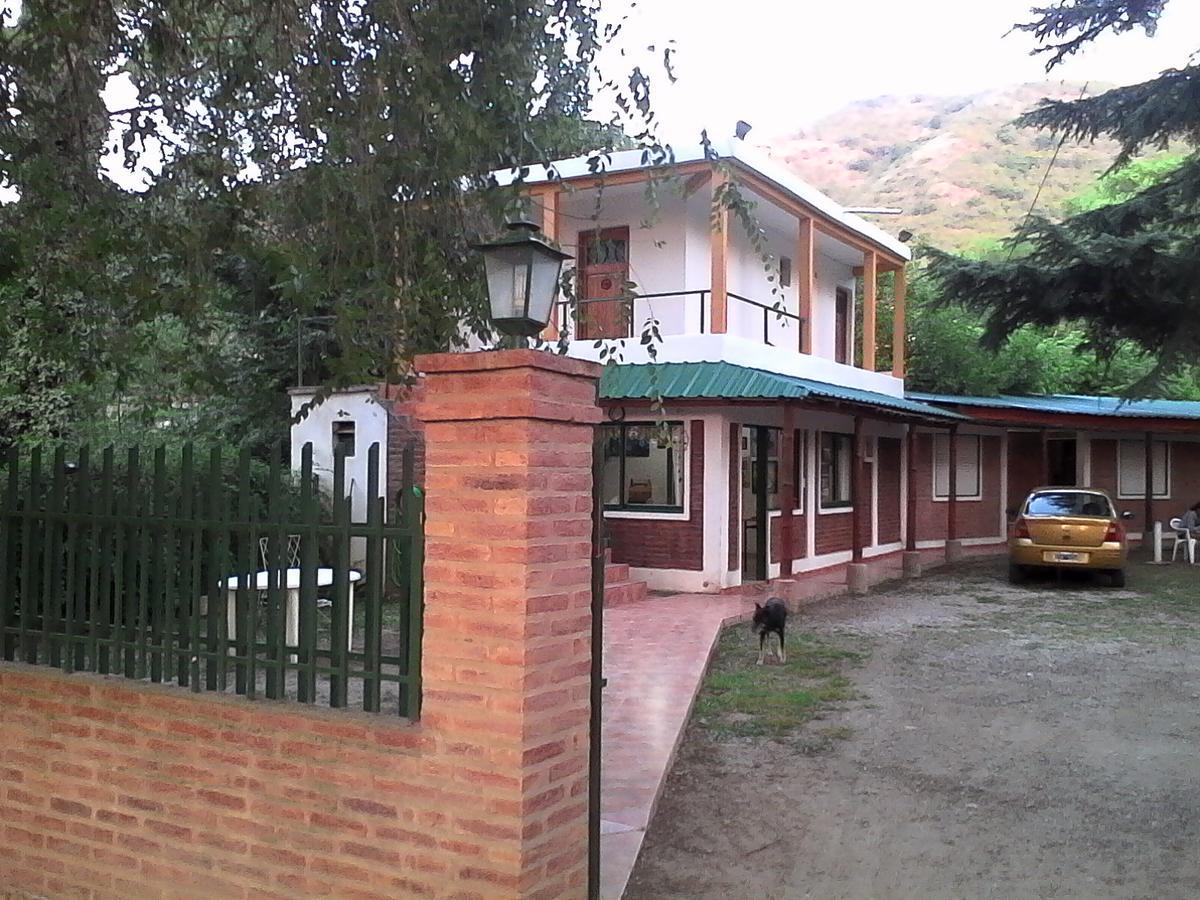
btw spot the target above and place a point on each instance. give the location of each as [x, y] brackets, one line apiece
[1131, 469]
[841, 327]
[606, 249]
[643, 466]
[969, 483]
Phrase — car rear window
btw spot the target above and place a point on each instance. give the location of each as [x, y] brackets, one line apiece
[1069, 503]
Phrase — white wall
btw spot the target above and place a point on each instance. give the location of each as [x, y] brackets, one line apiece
[657, 262]
[358, 405]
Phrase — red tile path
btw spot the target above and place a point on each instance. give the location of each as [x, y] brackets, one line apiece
[655, 654]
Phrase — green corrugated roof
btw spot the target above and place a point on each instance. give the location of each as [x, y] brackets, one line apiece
[1074, 404]
[726, 381]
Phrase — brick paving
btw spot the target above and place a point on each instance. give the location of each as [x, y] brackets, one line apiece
[655, 655]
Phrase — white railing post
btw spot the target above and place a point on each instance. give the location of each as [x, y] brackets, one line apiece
[1158, 542]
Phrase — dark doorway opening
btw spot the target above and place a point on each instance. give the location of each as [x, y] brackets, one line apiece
[760, 495]
[1060, 462]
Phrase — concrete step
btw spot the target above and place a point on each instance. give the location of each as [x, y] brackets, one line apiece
[615, 573]
[624, 593]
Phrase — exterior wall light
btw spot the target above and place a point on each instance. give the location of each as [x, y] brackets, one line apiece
[522, 279]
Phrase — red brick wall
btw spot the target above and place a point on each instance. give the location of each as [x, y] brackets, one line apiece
[833, 533]
[889, 511]
[665, 544]
[1024, 466]
[799, 537]
[976, 518]
[135, 790]
[1185, 482]
[113, 789]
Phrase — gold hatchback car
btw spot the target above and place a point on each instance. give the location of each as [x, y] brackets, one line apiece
[1068, 528]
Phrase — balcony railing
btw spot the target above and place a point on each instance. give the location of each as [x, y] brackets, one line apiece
[612, 318]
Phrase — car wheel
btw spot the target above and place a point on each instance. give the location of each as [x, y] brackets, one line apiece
[1117, 576]
[1016, 574]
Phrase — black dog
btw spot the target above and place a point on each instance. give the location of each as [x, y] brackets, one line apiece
[772, 617]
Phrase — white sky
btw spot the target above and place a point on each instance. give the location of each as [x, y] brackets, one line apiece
[781, 64]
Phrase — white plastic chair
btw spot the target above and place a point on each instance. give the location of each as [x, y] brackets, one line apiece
[1183, 538]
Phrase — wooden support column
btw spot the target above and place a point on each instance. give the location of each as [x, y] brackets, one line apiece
[1045, 457]
[870, 291]
[788, 489]
[899, 289]
[806, 281]
[547, 200]
[718, 253]
[952, 500]
[1148, 528]
[856, 500]
[910, 499]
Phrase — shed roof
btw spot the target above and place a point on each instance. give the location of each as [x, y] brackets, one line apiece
[726, 381]
[1071, 404]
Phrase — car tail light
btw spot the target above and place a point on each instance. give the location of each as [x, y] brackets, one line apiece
[1020, 528]
[1115, 533]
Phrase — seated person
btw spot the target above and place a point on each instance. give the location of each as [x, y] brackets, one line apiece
[1190, 520]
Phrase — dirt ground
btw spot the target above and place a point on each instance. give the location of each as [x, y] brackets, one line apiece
[1007, 742]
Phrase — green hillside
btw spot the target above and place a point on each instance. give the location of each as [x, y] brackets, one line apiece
[956, 165]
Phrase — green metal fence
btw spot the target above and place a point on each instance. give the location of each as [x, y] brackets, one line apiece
[179, 570]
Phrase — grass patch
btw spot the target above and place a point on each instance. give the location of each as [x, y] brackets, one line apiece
[742, 699]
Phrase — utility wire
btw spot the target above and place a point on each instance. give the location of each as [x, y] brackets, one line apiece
[1045, 177]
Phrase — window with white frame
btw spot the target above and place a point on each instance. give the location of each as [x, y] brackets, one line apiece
[800, 467]
[1131, 468]
[644, 466]
[836, 458]
[969, 485]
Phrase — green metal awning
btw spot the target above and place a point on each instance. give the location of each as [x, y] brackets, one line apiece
[726, 381]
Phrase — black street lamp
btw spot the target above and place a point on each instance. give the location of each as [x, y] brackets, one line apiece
[522, 279]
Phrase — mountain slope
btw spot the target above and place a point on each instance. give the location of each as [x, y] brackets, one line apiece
[956, 165]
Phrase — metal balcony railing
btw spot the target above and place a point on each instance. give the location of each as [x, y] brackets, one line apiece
[618, 320]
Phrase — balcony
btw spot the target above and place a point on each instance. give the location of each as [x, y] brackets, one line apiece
[677, 313]
[756, 335]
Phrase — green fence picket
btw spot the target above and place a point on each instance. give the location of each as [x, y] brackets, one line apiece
[310, 517]
[372, 584]
[8, 522]
[339, 629]
[107, 576]
[130, 574]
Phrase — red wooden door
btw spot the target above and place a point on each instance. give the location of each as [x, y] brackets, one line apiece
[603, 273]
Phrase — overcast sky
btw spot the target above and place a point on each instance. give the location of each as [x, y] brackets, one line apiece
[781, 64]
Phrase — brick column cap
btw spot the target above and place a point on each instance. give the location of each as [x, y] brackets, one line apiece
[491, 360]
[552, 388]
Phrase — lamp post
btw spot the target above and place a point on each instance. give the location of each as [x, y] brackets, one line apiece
[522, 270]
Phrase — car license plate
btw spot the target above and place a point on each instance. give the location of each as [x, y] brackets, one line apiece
[1064, 556]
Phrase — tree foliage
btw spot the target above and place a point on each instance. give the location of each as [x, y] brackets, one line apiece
[298, 161]
[1122, 271]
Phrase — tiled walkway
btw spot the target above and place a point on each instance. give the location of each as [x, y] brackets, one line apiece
[656, 653]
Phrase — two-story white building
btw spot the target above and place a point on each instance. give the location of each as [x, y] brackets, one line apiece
[785, 442]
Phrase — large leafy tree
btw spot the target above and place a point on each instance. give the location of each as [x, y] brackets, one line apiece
[1127, 270]
[300, 160]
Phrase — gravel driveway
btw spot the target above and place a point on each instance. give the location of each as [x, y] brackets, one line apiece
[1033, 741]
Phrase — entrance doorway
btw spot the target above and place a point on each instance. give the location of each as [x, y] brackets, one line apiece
[1060, 462]
[760, 495]
[603, 273]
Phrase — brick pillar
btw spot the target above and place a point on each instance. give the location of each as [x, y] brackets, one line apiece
[507, 592]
